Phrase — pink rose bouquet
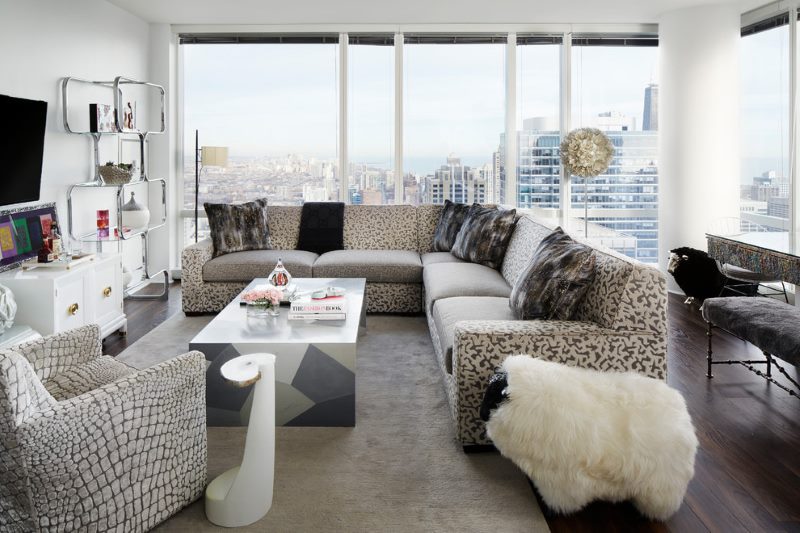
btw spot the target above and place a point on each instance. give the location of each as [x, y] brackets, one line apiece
[267, 297]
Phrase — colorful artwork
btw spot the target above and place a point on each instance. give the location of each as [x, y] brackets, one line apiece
[7, 246]
[35, 234]
[21, 235]
[22, 230]
[47, 223]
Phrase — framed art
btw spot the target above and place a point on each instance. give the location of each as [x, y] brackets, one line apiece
[22, 232]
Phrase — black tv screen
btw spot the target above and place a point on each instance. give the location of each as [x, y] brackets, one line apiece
[22, 139]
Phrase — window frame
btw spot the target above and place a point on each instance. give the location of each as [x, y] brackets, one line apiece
[564, 32]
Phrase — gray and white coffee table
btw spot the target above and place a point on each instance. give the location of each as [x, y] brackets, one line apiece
[315, 368]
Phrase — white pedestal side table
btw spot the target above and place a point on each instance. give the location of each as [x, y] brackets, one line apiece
[243, 494]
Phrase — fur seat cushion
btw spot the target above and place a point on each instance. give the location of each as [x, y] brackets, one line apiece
[583, 435]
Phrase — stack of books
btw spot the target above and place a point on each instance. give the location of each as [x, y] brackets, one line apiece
[329, 308]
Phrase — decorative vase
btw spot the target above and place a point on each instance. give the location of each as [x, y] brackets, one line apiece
[135, 215]
[262, 309]
[8, 308]
[280, 277]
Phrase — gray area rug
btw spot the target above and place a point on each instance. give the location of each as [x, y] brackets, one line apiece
[398, 470]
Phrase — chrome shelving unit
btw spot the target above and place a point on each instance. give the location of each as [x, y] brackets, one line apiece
[97, 181]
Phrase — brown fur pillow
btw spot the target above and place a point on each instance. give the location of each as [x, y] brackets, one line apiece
[555, 281]
[484, 236]
[238, 227]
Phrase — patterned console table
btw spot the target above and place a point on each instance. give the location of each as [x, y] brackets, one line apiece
[765, 252]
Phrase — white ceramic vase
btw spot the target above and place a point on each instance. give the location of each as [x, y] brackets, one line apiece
[135, 216]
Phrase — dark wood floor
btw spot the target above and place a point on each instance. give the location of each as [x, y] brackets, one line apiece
[747, 474]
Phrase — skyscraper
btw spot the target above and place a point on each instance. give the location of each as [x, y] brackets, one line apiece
[650, 115]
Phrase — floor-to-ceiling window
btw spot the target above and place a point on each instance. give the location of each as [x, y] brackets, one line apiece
[273, 104]
[538, 121]
[371, 176]
[765, 124]
[615, 89]
[454, 104]
[422, 118]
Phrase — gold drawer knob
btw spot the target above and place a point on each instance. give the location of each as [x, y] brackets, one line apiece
[107, 292]
[73, 309]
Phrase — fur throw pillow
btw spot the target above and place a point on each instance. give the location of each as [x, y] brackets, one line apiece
[450, 222]
[238, 227]
[555, 281]
[484, 236]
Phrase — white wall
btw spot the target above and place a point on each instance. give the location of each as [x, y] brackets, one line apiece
[44, 40]
[699, 123]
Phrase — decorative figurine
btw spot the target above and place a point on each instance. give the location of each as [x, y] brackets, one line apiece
[280, 277]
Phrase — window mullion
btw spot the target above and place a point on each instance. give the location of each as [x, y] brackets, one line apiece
[398, 119]
[344, 73]
[511, 197]
[566, 119]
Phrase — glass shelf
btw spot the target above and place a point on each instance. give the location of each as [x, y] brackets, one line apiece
[124, 236]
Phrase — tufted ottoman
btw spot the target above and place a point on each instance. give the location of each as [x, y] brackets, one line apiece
[770, 325]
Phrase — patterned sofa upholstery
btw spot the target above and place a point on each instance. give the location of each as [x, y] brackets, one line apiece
[89, 444]
[621, 325]
[381, 244]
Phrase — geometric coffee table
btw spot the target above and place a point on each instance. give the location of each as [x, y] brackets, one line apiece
[315, 362]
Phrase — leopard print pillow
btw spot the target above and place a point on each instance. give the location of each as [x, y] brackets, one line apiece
[238, 227]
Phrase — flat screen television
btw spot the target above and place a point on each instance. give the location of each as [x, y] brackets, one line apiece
[22, 139]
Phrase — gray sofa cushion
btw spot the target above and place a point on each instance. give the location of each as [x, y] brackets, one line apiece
[388, 266]
[769, 324]
[448, 311]
[439, 257]
[245, 266]
[448, 280]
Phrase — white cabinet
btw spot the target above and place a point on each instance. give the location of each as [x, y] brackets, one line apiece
[53, 299]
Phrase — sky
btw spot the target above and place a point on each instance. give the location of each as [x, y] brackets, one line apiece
[276, 99]
[764, 73]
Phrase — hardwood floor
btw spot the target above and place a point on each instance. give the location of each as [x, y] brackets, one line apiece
[747, 474]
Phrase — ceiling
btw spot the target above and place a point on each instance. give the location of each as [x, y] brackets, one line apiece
[410, 11]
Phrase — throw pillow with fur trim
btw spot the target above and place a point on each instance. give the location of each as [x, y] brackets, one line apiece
[555, 281]
[484, 236]
[450, 222]
[238, 227]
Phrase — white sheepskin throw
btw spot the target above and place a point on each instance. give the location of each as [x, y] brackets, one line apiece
[584, 435]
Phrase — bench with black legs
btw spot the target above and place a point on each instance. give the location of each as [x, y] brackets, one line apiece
[771, 325]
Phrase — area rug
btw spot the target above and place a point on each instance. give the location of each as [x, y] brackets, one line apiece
[399, 470]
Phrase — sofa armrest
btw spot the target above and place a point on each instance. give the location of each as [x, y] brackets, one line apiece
[481, 346]
[144, 432]
[56, 353]
[193, 258]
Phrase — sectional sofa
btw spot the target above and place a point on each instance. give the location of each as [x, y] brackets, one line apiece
[621, 323]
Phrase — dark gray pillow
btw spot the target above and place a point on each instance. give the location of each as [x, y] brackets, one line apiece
[238, 227]
[484, 236]
[450, 222]
[555, 281]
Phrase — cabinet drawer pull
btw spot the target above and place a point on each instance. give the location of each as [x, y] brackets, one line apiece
[107, 292]
[73, 309]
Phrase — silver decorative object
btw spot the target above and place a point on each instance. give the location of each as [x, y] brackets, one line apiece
[8, 308]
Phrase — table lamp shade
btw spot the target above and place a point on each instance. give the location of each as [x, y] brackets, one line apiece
[214, 156]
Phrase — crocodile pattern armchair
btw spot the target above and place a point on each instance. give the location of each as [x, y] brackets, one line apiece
[90, 444]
